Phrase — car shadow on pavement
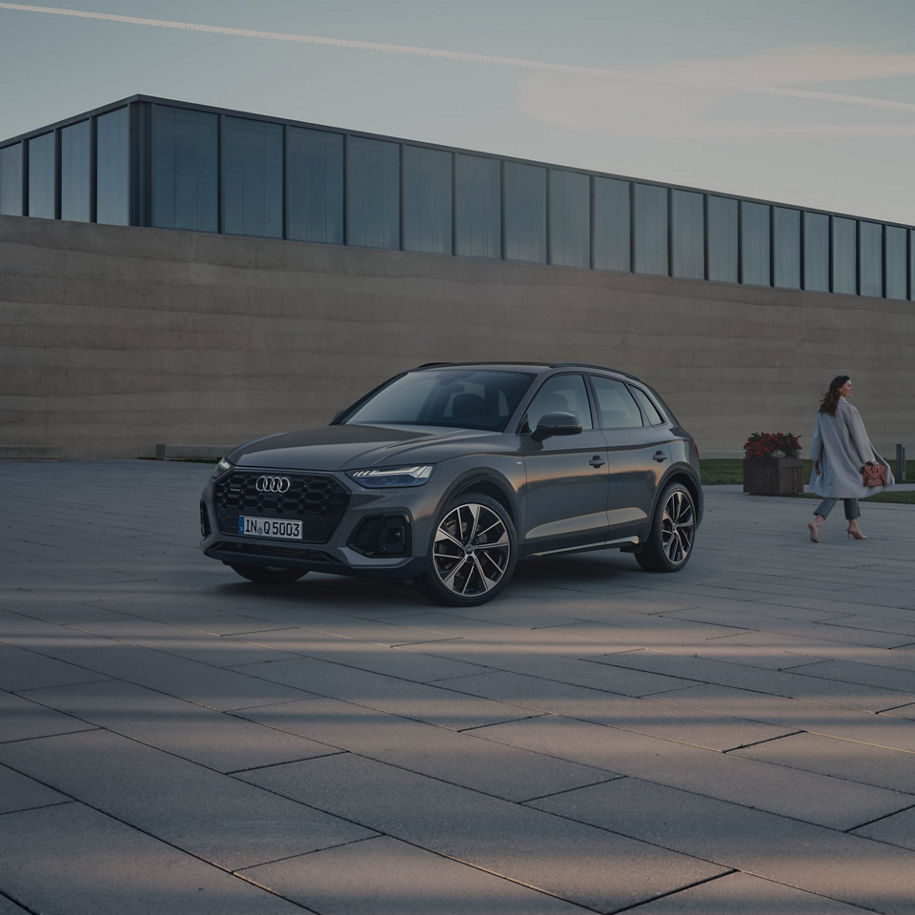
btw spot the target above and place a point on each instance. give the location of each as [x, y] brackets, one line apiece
[576, 573]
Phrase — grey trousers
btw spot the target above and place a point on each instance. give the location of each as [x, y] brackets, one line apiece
[852, 510]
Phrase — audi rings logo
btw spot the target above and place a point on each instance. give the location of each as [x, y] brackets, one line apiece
[272, 484]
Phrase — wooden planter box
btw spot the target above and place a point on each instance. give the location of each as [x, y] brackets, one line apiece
[773, 476]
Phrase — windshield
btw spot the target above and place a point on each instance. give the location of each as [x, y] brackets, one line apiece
[460, 397]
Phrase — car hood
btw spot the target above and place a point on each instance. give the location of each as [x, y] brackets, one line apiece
[347, 447]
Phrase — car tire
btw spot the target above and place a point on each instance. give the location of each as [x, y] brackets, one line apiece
[267, 575]
[473, 552]
[673, 531]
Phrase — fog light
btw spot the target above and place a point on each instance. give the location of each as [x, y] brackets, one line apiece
[393, 537]
[382, 535]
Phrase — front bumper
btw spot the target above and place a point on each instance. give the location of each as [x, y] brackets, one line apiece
[345, 529]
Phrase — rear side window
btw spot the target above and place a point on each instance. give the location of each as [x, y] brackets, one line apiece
[615, 407]
[652, 415]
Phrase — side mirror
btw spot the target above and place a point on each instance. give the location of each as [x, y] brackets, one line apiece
[556, 424]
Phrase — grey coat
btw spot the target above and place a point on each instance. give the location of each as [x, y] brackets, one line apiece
[842, 448]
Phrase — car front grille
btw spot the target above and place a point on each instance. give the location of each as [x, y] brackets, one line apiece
[318, 501]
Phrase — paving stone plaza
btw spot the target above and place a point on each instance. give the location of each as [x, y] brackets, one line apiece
[736, 738]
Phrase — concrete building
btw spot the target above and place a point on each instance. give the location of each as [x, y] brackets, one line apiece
[199, 276]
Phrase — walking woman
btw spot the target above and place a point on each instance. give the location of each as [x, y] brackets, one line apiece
[839, 452]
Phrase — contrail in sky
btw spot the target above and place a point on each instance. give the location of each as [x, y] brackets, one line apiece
[469, 57]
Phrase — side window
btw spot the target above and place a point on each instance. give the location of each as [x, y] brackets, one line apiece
[652, 415]
[615, 407]
[561, 394]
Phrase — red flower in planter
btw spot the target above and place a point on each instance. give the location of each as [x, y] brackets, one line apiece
[771, 444]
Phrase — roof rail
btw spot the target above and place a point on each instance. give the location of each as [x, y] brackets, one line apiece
[531, 362]
[591, 365]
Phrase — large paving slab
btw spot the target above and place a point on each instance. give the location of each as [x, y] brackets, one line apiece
[595, 868]
[737, 737]
[19, 792]
[200, 734]
[203, 813]
[434, 704]
[807, 796]
[865, 763]
[384, 875]
[71, 858]
[887, 729]
[779, 848]
[460, 759]
[729, 895]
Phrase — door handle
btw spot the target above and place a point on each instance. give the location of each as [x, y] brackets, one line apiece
[596, 461]
[660, 456]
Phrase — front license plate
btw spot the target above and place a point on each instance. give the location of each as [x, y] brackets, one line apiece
[269, 527]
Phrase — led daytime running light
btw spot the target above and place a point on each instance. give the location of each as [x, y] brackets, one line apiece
[378, 477]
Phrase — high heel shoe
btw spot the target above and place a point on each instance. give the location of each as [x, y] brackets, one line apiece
[857, 535]
[814, 532]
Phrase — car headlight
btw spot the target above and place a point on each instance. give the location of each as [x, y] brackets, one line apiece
[222, 467]
[387, 477]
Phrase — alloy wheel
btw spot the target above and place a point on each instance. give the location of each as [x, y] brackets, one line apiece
[471, 550]
[678, 527]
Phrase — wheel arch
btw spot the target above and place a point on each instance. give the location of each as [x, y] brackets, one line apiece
[668, 545]
[492, 485]
[688, 479]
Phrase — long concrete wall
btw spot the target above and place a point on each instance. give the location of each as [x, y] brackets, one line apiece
[114, 340]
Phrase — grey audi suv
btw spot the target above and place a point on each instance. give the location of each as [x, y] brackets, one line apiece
[449, 474]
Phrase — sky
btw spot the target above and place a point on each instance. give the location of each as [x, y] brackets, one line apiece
[804, 102]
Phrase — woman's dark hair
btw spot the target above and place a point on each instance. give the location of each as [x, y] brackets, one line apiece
[831, 398]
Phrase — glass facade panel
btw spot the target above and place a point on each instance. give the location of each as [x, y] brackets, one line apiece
[314, 185]
[185, 169]
[896, 273]
[525, 213]
[870, 253]
[75, 172]
[11, 180]
[570, 219]
[112, 171]
[252, 177]
[816, 252]
[234, 173]
[844, 255]
[651, 229]
[786, 250]
[42, 176]
[722, 239]
[372, 193]
[687, 225]
[755, 244]
[612, 243]
[427, 210]
[477, 206]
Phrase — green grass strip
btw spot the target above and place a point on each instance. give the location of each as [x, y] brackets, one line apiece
[730, 470]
